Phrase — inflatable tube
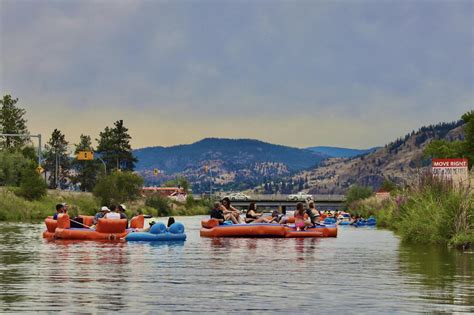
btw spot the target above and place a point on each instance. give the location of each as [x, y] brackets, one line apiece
[148, 237]
[176, 228]
[344, 223]
[87, 234]
[137, 222]
[87, 219]
[267, 230]
[106, 229]
[329, 221]
[51, 225]
[158, 228]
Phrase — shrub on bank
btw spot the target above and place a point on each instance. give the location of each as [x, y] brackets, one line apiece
[433, 211]
[16, 208]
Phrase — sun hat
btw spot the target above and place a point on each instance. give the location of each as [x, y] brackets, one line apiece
[104, 208]
[122, 207]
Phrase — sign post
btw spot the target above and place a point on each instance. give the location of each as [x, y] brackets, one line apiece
[451, 169]
[85, 155]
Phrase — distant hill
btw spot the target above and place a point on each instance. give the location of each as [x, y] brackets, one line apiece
[341, 152]
[228, 163]
[399, 161]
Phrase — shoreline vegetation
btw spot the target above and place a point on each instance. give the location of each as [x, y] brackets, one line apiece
[14, 208]
[432, 211]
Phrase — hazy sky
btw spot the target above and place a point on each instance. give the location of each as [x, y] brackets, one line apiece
[300, 73]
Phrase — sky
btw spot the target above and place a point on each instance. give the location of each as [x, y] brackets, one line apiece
[300, 73]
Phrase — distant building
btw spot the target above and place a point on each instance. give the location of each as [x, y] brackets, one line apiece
[163, 191]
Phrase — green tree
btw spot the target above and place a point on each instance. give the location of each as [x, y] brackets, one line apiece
[86, 171]
[11, 166]
[161, 204]
[357, 192]
[179, 181]
[118, 187]
[115, 149]
[32, 186]
[468, 119]
[12, 121]
[455, 149]
[57, 160]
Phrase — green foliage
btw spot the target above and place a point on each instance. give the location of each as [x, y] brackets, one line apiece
[57, 159]
[12, 121]
[118, 187]
[179, 181]
[433, 211]
[16, 208]
[11, 166]
[357, 192]
[160, 203]
[86, 171]
[115, 149]
[388, 185]
[455, 149]
[32, 186]
[444, 149]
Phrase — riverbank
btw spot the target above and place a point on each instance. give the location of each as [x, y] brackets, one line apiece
[431, 212]
[14, 208]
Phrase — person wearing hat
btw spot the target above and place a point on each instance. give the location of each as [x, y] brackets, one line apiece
[103, 211]
[113, 213]
[123, 215]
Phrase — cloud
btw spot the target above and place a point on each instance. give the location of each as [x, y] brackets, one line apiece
[354, 73]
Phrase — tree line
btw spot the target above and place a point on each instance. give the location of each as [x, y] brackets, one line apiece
[18, 155]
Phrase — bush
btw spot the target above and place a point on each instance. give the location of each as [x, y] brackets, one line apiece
[161, 204]
[432, 211]
[16, 208]
[32, 186]
[357, 193]
[118, 187]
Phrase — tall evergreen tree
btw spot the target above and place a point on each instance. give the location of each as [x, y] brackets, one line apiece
[86, 171]
[12, 121]
[115, 149]
[57, 160]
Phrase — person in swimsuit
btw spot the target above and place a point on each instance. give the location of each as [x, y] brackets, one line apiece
[230, 211]
[300, 222]
[254, 217]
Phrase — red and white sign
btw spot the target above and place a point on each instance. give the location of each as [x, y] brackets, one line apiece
[381, 195]
[451, 169]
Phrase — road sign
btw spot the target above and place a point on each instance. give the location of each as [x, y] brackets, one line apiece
[451, 169]
[85, 155]
[39, 169]
[156, 171]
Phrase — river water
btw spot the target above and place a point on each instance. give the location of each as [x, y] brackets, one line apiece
[361, 271]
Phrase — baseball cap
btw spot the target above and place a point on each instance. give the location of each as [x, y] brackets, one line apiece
[104, 208]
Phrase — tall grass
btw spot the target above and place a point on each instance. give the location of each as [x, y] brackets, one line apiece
[432, 211]
[15, 208]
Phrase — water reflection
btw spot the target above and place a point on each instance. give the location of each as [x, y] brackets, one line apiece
[448, 274]
[372, 270]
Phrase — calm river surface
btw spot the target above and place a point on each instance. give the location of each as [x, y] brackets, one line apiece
[361, 271]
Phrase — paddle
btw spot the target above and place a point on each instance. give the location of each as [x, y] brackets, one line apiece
[81, 224]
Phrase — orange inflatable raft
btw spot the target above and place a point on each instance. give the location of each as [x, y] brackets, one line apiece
[211, 228]
[105, 229]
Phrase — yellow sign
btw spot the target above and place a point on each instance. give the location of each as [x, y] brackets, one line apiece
[39, 169]
[156, 171]
[85, 155]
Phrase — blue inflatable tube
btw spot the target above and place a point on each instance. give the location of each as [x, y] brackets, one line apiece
[345, 223]
[159, 233]
[148, 237]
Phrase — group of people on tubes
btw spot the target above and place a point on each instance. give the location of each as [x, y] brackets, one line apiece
[225, 213]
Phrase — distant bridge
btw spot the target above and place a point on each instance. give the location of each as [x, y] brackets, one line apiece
[322, 202]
